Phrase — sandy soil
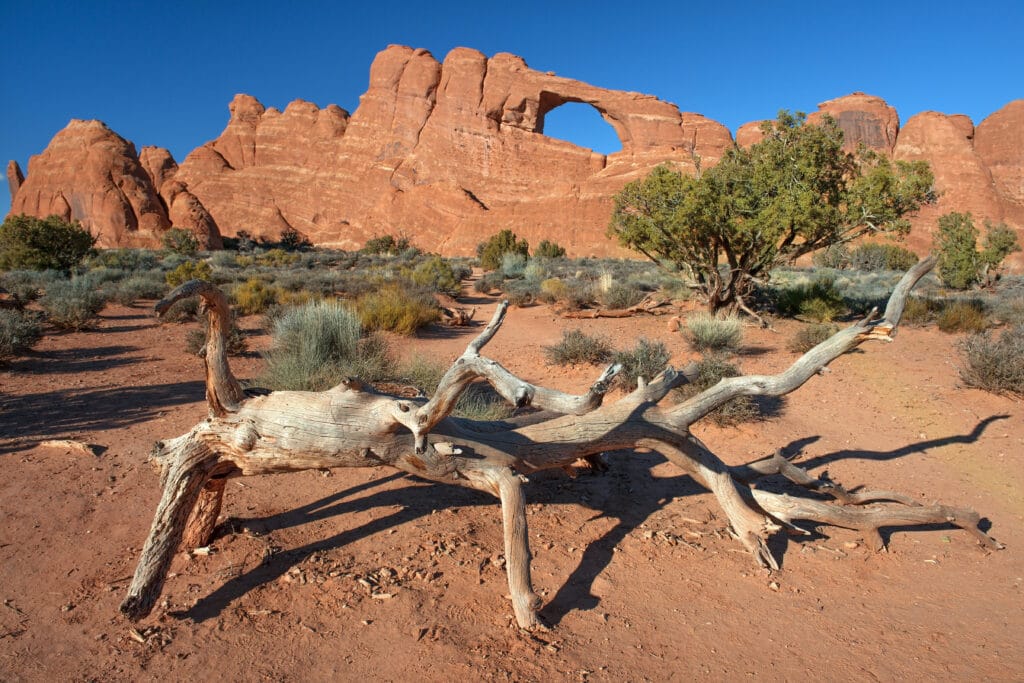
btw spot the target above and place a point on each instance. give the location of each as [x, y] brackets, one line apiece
[367, 574]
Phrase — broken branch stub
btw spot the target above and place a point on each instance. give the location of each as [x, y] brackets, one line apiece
[352, 425]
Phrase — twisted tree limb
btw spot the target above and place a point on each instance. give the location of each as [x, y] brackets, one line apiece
[352, 425]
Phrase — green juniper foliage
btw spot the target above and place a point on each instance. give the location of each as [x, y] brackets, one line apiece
[793, 193]
[43, 243]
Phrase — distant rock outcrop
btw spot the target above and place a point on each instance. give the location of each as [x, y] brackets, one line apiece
[449, 153]
[14, 177]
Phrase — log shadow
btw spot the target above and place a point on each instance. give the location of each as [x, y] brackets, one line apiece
[66, 412]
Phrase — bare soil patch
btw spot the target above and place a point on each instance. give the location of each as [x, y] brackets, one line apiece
[372, 574]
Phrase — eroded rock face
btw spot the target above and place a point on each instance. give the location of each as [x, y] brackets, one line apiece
[14, 177]
[447, 152]
[450, 153]
[91, 174]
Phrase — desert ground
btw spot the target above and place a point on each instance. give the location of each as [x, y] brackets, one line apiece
[373, 575]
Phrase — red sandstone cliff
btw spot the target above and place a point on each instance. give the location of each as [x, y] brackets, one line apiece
[451, 152]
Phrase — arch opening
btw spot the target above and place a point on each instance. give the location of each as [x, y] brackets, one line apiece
[582, 125]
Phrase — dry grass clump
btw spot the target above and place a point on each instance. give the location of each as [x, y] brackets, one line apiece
[646, 359]
[995, 364]
[710, 371]
[809, 336]
[237, 344]
[397, 309]
[707, 333]
[317, 345]
[255, 296]
[478, 402]
[963, 316]
[578, 347]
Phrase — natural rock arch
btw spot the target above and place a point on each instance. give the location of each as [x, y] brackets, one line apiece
[549, 102]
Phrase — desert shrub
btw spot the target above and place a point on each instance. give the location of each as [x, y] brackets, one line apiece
[180, 241]
[137, 287]
[254, 296]
[646, 359]
[577, 294]
[51, 243]
[131, 260]
[437, 275]
[818, 300]
[491, 252]
[189, 270]
[551, 290]
[236, 343]
[619, 295]
[521, 292]
[488, 282]
[809, 336]
[994, 364]
[963, 316]
[835, 256]
[72, 304]
[960, 263]
[547, 249]
[578, 347]
[19, 332]
[536, 270]
[710, 371]
[1010, 311]
[918, 311]
[293, 240]
[386, 244]
[705, 332]
[25, 286]
[317, 345]
[873, 256]
[513, 265]
[397, 309]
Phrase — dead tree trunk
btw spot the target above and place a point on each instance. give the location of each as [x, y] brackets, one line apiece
[352, 425]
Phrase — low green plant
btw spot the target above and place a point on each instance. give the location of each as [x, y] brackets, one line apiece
[31, 243]
[254, 296]
[189, 270]
[920, 310]
[181, 311]
[707, 333]
[710, 371]
[513, 265]
[818, 300]
[386, 245]
[993, 363]
[180, 241]
[875, 256]
[522, 292]
[19, 332]
[548, 249]
[488, 282]
[578, 347]
[128, 291]
[809, 336]
[396, 308]
[317, 345]
[963, 316]
[72, 304]
[437, 274]
[496, 246]
[646, 359]
[960, 264]
[293, 240]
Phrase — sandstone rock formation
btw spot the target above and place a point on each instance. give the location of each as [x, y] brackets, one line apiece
[449, 153]
[14, 177]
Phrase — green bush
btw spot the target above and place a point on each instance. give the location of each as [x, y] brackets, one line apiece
[710, 371]
[818, 300]
[180, 241]
[317, 345]
[963, 316]
[809, 336]
[293, 240]
[960, 264]
[397, 309]
[872, 256]
[19, 332]
[491, 252]
[386, 245]
[548, 249]
[72, 304]
[131, 260]
[254, 296]
[706, 332]
[50, 243]
[579, 347]
[189, 270]
[995, 364]
[646, 359]
[437, 274]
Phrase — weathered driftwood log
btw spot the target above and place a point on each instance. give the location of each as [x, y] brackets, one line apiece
[352, 425]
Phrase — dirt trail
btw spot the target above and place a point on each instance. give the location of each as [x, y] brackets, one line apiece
[370, 574]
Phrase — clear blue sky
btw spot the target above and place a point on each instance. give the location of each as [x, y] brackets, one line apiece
[163, 73]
